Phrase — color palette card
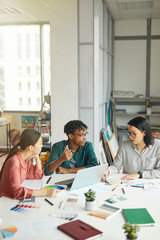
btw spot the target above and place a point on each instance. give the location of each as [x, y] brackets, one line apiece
[115, 198]
[25, 208]
[70, 203]
[7, 232]
[65, 216]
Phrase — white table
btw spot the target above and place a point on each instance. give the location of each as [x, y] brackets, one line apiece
[112, 229]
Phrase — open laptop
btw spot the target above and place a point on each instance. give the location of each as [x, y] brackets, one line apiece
[85, 177]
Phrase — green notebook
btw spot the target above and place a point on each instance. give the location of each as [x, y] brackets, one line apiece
[139, 216]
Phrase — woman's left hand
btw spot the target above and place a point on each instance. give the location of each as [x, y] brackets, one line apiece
[132, 176]
[38, 161]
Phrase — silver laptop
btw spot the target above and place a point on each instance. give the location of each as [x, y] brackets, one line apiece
[85, 177]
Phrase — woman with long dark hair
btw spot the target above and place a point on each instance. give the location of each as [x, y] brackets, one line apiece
[140, 155]
[18, 167]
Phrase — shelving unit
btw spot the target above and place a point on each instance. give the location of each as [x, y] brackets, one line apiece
[128, 108]
[43, 124]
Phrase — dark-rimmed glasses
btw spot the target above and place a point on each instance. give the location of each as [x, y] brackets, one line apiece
[133, 135]
[81, 135]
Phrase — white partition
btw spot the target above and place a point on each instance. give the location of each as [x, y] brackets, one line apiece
[155, 68]
[130, 66]
[86, 76]
[130, 27]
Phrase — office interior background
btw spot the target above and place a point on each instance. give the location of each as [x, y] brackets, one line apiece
[80, 51]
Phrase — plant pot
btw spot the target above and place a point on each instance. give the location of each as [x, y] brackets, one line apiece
[89, 205]
[131, 239]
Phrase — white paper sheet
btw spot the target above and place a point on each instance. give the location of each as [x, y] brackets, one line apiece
[35, 184]
[35, 227]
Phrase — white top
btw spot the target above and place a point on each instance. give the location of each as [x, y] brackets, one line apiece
[132, 161]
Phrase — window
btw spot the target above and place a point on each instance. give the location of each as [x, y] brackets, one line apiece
[29, 101]
[20, 86]
[29, 86]
[23, 70]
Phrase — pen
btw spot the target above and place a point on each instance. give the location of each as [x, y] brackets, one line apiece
[123, 191]
[48, 180]
[137, 186]
[48, 201]
[115, 188]
[61, 204]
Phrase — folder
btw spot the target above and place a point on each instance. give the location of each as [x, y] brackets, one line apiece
[80, 230]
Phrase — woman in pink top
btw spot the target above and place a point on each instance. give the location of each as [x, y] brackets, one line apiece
[18, 167]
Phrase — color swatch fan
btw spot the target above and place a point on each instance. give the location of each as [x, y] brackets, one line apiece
[54, 186]
[7, 232]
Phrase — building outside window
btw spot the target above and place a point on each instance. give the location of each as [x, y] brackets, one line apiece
[21, 64]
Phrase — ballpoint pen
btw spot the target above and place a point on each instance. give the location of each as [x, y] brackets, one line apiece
[48, 201]
[137, 186]
[48, 180]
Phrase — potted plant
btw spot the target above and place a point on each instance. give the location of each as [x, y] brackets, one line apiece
[90, 199]
[130, 231]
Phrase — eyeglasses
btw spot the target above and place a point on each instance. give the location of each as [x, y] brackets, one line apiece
[81, 135]
[133, 135]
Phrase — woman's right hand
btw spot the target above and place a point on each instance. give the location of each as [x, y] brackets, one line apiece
[52, 192]
[105, 175]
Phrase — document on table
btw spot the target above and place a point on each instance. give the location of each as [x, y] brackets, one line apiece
[98, 188]
[35, 183]
[35, 227]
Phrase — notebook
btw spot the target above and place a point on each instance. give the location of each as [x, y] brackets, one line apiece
[105, 211]
[80, 230]
[85, 177]
[139, 216]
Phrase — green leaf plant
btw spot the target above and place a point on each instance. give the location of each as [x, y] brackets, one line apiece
[90, 195]
[131, 230]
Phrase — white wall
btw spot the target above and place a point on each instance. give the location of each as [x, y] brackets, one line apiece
[130, 64]
[64, 73]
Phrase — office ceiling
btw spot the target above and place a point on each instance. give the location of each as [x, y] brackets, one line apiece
[134, 9]
[30, 11]
[24, 11]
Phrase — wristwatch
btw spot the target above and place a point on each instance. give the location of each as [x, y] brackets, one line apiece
[140, 174]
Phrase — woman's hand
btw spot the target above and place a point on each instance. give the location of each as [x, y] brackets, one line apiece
[132, 176]
[52, 192]
[106, 173]
[38, 162]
